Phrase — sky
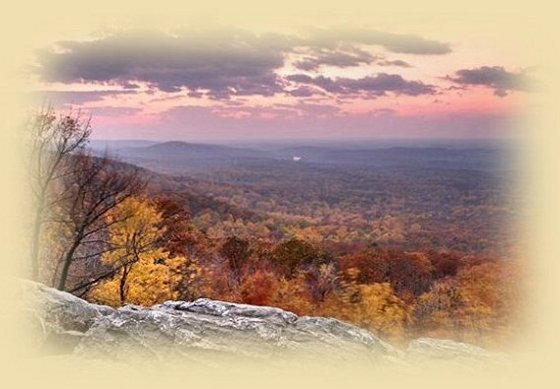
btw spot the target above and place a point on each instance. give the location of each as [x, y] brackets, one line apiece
[313, 83]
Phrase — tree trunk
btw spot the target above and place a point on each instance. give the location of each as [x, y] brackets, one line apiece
[66, 264]
[122, 284]
[35, 242]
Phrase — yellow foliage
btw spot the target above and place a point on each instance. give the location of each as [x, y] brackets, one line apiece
[308, 234]
[292, 295]
[372, 306]
[478, 306]
[134, 231]
[147, 284]
[145, 270]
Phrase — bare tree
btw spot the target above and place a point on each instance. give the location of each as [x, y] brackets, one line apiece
[53, 139]
[96, 186]
[143, 234]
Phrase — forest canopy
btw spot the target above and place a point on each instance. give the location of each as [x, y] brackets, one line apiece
[402, 252]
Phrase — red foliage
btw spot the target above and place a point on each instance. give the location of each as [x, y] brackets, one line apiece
[259, 288]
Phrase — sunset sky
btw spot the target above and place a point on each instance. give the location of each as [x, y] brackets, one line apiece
[344, 82]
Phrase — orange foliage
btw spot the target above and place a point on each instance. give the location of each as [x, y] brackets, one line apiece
[265, 288]
[479, 305]
[372, 306]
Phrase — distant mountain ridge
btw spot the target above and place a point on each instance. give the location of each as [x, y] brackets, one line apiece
[179, 157]
[180, 147]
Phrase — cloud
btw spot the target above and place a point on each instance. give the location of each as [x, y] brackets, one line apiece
[222, 63]
[377, 85]
[396, 62]
[495, 77]
[78, 97]
[396, 43]
[304, 91]
[218, 63]
[348, 56]
[336, 58]
[114, 111]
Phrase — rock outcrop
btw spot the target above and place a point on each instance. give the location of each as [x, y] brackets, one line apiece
[204, 329]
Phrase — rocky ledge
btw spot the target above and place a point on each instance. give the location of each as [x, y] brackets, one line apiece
[204, 329]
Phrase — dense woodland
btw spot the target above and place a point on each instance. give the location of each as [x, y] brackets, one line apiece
[405, 250]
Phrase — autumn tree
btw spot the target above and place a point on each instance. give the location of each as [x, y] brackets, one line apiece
[236, 251]
[408, 272]
[267, 288]
[179, 234]
[294, 253]
[373, 306]
[382, 311]
[439, 311]
[180, 239]
[492, 293]
[444, 263]
[144, 270]
[322, 280]
[53, 139]
[478, 305]
[259, 288]
[95, 187]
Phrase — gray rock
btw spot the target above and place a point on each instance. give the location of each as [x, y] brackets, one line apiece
[204, 329]
[59, 320]
[220, 308]
[448, 351]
